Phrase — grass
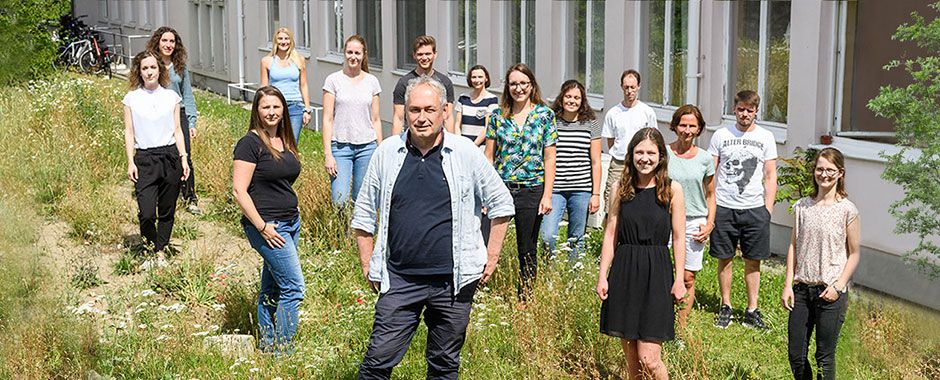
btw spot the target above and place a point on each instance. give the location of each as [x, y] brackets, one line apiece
[66, 136]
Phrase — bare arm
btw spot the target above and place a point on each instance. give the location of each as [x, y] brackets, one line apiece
[498, 229]
[264, 71]
[398, 119]
[545, 206]
[242, 172]
[770, 184]
[129, 144]
[329, 105]
[490, 151]
[304, 91]
[449, 118]
[610, 241]
[458, 123]
[481, 137]
[708, 184]
[786, 298]
[610, 143]
[376, 119]
[595, 151]
[677, 211]
[180, 143]
[366, 243]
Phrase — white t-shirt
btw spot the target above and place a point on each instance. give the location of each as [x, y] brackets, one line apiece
[153, 116]
[739, 178]
[352, 110]
[621, 123]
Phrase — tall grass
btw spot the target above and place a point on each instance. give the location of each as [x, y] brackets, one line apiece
[154, 328]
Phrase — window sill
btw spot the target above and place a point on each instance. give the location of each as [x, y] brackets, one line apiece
[779, 130]
[331, 58]
[866, 150]
[303, 51]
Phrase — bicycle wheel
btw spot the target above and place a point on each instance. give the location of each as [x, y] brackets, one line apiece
[88, 63]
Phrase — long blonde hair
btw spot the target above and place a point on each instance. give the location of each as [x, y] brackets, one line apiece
[291, 52]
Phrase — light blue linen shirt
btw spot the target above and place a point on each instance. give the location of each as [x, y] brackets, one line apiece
[473, 183]
[182, 85]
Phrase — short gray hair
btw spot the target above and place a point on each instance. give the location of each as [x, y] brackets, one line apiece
[426, 80]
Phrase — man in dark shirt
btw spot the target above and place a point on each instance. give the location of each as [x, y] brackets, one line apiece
[424, 52]
[425, 189]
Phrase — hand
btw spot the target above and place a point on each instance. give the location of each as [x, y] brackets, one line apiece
[545, 205]
[132, 172]
[307, 118]
[678, 291]
[602, 288]
[704, 230]
[185, 169]
[787, 298]
[770, 210]
[270, 235]
[830, 294]
[488, 270]
[374, 285]
[594, 204]
[330, 164]
[192, 133]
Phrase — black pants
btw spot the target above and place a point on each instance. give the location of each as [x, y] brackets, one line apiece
[527, 221]
[188, 189]
[158, 185]
[397, 314]
[809, 312]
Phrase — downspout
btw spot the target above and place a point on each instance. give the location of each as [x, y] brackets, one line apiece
[692, 67]
[241, 41]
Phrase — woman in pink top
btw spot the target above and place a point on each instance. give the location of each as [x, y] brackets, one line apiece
[823, 255]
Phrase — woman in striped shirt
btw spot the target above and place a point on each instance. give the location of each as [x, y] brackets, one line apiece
[578, 168]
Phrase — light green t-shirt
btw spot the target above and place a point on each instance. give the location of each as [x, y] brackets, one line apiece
[690, 172]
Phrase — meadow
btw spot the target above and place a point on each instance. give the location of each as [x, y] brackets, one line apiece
[76, 304]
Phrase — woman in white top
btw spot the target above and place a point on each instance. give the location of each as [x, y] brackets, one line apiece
[823, 254]
[351, 124]
[153, 140]
[286, 69]
[474, 109]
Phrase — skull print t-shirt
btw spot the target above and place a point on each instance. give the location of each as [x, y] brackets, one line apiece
[739, 182]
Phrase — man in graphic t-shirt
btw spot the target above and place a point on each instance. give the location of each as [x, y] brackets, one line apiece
[621, 123]
[745, 186]
[424, 52]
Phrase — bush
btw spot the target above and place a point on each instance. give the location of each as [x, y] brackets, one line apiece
[28, 50]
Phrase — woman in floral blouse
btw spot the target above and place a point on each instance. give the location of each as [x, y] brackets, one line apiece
[520, 141]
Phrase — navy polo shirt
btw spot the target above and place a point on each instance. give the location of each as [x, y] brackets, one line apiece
[420, 219]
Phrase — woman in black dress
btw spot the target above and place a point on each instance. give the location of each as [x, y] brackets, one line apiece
[642, 284]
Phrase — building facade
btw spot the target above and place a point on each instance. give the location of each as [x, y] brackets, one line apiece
[815, 63]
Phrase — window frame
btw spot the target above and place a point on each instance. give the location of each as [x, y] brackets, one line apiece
[571, 69]
[469, 59]
[334, 27]
[523, 38]
[375, 44]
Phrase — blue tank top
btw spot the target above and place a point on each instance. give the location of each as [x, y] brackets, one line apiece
[286, 79]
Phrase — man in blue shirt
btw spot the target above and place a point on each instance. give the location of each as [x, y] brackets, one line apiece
[422, 195]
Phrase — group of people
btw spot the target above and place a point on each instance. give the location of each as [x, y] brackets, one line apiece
[432, 202]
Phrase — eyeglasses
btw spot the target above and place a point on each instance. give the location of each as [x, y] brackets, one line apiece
[828, 172]
[519, 84]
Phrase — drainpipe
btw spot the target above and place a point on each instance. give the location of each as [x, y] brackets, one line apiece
[692, 68]
[241, 41]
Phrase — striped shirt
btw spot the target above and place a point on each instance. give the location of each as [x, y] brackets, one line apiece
[573, 162]
[473, 115]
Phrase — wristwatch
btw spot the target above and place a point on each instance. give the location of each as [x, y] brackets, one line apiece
[308, 110]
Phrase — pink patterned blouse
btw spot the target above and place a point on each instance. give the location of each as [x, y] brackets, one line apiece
[820, 250]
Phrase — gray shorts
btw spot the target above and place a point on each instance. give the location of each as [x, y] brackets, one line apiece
[749, 227]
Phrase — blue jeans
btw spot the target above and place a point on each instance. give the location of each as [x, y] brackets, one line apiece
[352, 160]
[295, 109]
[576, 203]
[282, 286]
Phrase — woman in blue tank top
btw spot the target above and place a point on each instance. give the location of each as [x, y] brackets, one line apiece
[286, 70]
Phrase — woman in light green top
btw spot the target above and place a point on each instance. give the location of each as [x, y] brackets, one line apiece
[694, 169]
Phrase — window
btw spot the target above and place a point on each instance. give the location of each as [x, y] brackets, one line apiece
[866, 44]
[103, 10]
[587, 57]
[409, 17]
[664, 52]
[114, 10]
[209, 50]
[334, 9]
[369, 25]
[301, 10]
[463, 42]
[274, 18]
[521, 42]
[759, 55]
[130, 12]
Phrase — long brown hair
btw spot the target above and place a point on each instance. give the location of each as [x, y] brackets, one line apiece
[364, 65]
[178, 58]
[134, 80]
[505, 103]
[834, 156]
[284, 130]
[584, 111]
[630, 175]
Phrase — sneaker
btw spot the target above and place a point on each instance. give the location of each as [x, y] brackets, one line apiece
[193, 209]
[754, 320]
[724, 317]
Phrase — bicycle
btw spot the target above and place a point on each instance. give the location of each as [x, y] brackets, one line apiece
[84, 51]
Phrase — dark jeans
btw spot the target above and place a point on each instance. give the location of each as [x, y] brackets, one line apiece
[810, 311]
[188, 189]
[158, 185]
[397, 314]
[528, 220]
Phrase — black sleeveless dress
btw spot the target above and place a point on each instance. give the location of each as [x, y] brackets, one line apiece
[639, 304]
